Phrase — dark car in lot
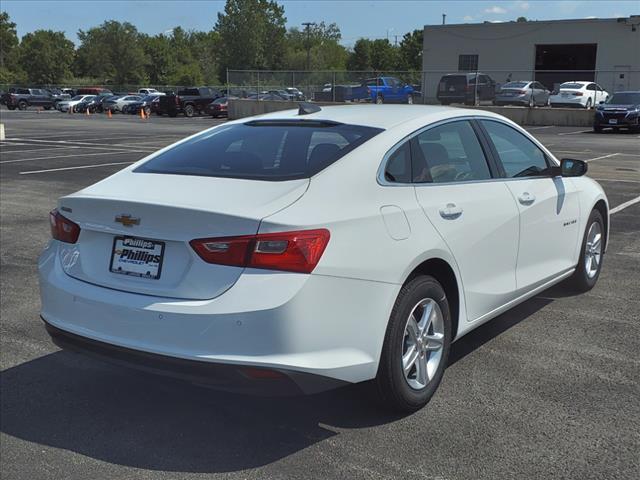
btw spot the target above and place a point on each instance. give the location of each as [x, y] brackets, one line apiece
[621, 110]
[145, 104]
[189, 101]
[91, 104]
[219, 107]
[22, 98]
[467, 88]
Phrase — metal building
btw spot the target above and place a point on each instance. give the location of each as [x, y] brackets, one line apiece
[606, 51]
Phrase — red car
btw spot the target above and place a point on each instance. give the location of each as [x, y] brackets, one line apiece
[218, 108]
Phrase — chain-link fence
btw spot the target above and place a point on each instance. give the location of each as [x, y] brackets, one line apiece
[428, 87]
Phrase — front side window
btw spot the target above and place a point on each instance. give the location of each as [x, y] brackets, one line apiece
[449, 153]
[519, 156]
[262, 150]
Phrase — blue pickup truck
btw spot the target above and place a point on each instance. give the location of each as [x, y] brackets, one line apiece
[375, 90]
[386, 90]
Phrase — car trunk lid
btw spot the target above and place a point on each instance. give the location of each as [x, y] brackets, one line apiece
[166, 211]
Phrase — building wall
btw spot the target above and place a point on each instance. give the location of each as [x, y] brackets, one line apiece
[505, 48]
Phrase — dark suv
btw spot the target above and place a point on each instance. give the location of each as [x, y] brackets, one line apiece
[463, 88]
[621, 110]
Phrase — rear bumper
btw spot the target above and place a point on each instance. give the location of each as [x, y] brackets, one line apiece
[309, 324]
[216, 375]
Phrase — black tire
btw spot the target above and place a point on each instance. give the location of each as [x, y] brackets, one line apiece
[588, 105]
[173, 114]
[48, 108]
[147, 111]
[379, 100]
[22, 105]
[445, 102]
[581, 280]
[11, 107]
[409, 99]
[159, 113]
[393, 387]
[532, 102]
[597, 129]
[189, 111]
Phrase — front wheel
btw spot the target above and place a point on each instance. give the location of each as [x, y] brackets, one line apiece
[597, 128]
[189, 111]
[379, 100]
[591, 255]
[588, 105]
[22, 105]
[416, 345]
[410, 99]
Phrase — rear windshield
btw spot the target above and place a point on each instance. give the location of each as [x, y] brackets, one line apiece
[262, 150]
[625, 98]
[453, 80]
[571, 85]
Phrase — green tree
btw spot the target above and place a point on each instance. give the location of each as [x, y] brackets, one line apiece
[522, 19]
[160, 57]
[360, 57]
[252, 35]
[384, 56]
[410, 51]
[326, 53]
[113, 51]
[8, 38]
[46, 56]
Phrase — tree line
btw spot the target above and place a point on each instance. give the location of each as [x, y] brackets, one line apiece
[248, 34]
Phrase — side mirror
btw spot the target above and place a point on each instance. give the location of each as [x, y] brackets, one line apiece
[573, 168]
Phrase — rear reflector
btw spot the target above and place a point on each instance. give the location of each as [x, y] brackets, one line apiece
[298, 251]
[62, 228]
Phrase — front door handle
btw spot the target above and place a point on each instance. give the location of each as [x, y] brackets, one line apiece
[526, 198]
[450, 212]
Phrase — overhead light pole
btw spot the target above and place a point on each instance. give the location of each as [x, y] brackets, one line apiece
[307, 26]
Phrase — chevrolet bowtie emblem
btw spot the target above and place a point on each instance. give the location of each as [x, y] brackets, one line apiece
[127, 220]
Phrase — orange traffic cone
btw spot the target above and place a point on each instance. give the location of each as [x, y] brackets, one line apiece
[109, 113]
[142, 115]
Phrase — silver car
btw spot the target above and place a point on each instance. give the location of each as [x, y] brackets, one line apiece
[523, 92]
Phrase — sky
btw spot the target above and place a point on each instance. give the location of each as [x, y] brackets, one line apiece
[364, 18]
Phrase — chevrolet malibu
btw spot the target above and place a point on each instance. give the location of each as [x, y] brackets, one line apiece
[312, 248]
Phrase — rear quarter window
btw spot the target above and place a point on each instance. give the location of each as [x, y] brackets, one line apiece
[262, 150]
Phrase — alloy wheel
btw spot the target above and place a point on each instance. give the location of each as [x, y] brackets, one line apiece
[593, 250]
[423, 343]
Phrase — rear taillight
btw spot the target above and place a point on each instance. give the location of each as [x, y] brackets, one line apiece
[62, 228]
[577, 94]
[520, 92]
[298, 251]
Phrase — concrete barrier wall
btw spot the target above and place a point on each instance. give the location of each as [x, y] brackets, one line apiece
[572, 117]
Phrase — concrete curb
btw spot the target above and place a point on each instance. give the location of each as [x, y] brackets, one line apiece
[560, 117]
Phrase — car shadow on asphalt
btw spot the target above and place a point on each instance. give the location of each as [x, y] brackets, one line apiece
[121, 416]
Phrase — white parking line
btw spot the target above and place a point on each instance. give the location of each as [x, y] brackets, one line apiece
[624, 205]
[67, 156]
[98, 146]
[575, 133]
[602, 157]
[29, 172]
[539, 128]
[43, 149]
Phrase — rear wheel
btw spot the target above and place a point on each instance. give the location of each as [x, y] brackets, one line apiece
[22, 105]
[416, 345]
[410, 99]
[532, 102]
[588, 105]
[189, 111]
[147, 111]
[591, 255]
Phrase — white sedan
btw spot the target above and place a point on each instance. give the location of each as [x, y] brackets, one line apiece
[65, 105]
[578, 94]
[307, 249]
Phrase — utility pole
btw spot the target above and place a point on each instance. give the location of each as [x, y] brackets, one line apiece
[396, 40]
[307, 26]
[444, 16]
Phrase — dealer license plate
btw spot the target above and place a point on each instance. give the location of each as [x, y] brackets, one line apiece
[137, 257]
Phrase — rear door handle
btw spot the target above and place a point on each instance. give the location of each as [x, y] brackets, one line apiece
[526, 198]
[451, 211]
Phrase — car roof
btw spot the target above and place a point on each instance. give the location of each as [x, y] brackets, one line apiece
[379, 116]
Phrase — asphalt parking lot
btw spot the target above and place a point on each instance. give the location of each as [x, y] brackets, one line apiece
[550, 389]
